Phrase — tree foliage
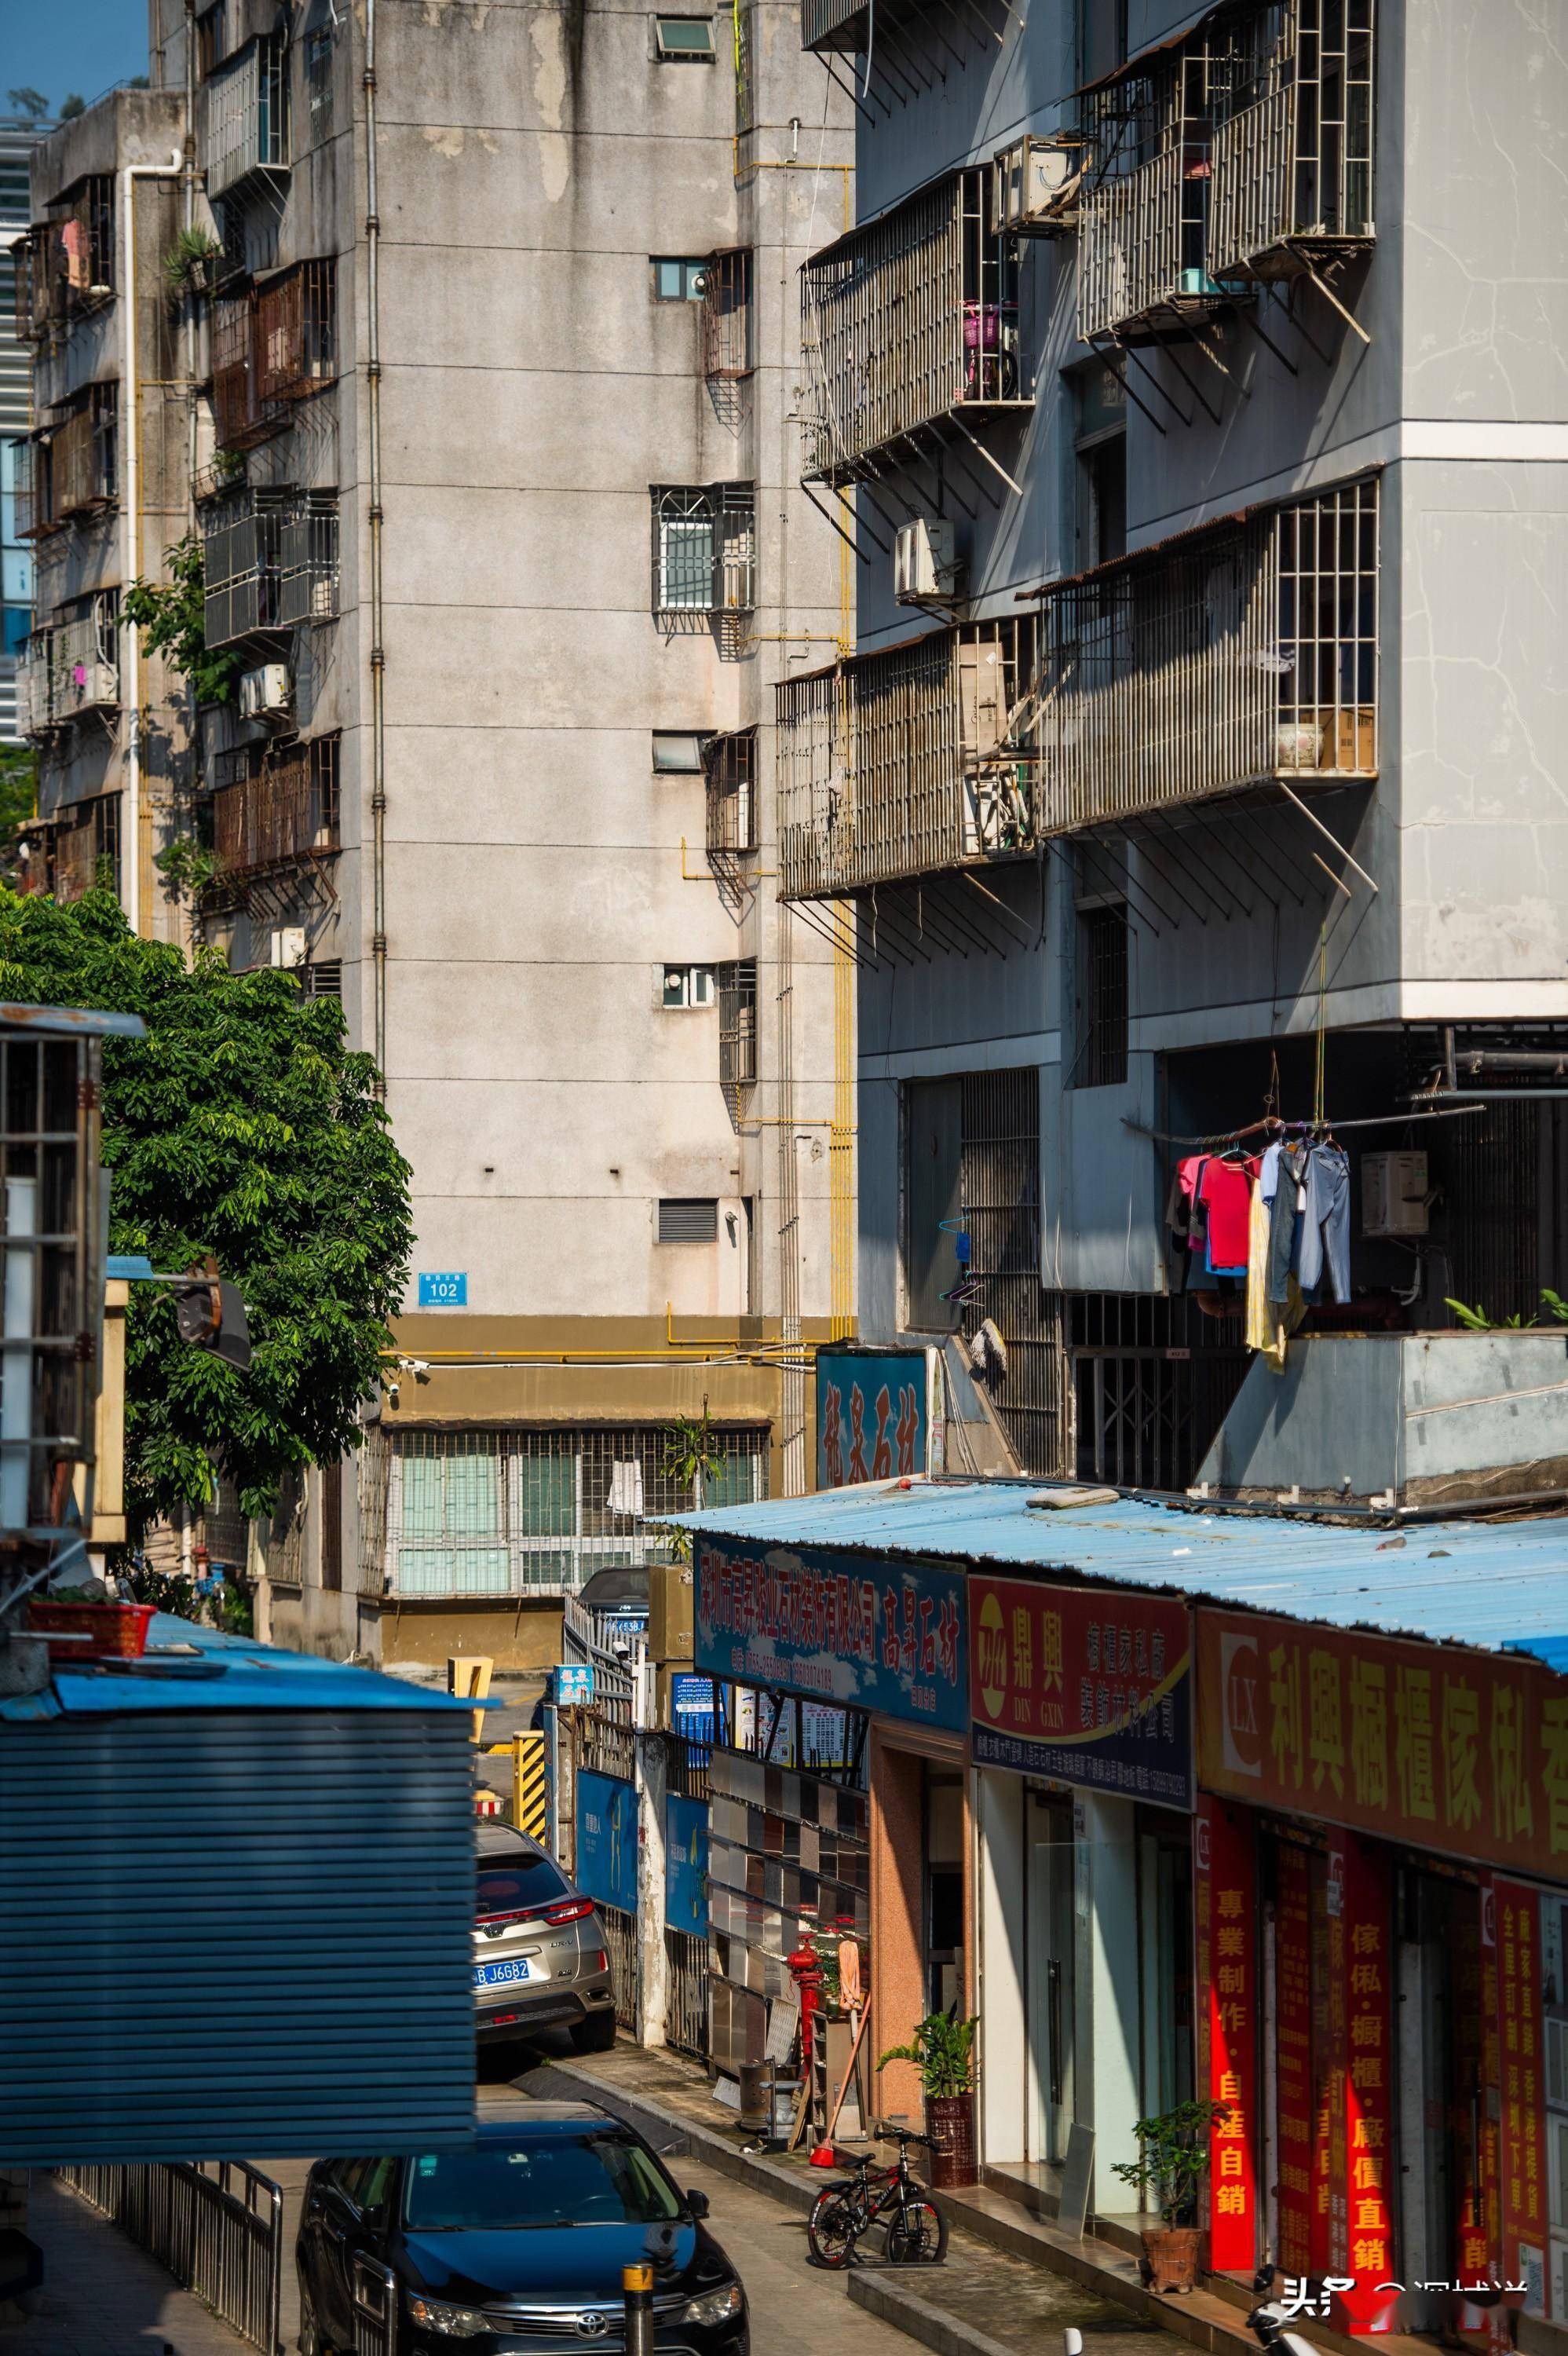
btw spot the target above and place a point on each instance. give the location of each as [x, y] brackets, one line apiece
[171, 616]
[240, 1126]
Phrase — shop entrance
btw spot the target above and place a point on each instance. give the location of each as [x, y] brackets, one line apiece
[1165, 1939]
[1049, 1856]
[943, 1850]
[1442, 2109]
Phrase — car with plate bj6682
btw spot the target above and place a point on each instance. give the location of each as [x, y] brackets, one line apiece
[539, 1955]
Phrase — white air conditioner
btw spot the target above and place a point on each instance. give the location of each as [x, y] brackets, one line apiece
[288, 946]
[1393, 1194]
[924, 563]
[266, 693]
[1029, 181]
[100, 683]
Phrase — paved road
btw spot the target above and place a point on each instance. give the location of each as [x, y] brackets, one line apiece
[796, 2309]
[104, 2297]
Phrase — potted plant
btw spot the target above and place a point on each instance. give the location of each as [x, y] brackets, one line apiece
[190, 266]
[1173, 2153]
[943, 2051]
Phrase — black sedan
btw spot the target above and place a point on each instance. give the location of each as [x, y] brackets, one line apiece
[513, 2247]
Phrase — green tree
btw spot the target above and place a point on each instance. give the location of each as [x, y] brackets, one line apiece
[29, 103]
[171, 616]
[240, 1126]
[71, 105]
[18, 802]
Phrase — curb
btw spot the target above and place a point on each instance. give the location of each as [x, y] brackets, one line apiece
[915, 2316]
[669, 2133]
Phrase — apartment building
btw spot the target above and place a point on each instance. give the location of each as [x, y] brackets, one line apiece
[18, 140]
[466, 347]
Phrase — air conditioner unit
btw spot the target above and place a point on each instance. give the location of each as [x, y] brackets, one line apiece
[288, 946]
[1027, 182]
[266, 693]
[97, 682]
[1393, 1194]
[924, 563]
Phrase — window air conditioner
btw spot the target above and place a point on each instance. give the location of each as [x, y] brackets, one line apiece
[1027, 181]
[288, 946]
[96, 682]
[1393, 1194]
[266, 693]
[924, 563]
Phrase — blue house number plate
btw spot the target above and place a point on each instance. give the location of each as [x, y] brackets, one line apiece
[443, 1288]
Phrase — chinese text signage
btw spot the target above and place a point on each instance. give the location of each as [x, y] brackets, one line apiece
[1227, 2022]
[607, 1840]
[877, 1635]
[1516, 1915]
[1084, 1685]
[1436, 1747]
[873, 1416]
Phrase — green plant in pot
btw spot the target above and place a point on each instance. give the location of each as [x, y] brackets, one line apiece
[1173, 2158]
[942, 2049]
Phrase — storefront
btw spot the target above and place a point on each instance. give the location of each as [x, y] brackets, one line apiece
[838, 1786]
[1378, 1965]
[1081, 1740]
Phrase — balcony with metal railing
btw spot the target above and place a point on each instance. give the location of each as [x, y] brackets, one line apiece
[283, 815]
[270, 558]
[910, 330]
[1293, 148]
[1229, 658]
[899, 763]
[1143, 225]
[271, 346]
[70, 668]
[730, 772]
[65, 263]
[244, 116]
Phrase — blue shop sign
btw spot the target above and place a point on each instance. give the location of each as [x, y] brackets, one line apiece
[574, 1683]
[443, 1288]
[835, 1627]
[873, 1416]
[686, 1863]
[691, 1696]
[607, 1840]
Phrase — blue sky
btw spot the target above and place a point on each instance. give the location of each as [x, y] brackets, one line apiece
[57, 46]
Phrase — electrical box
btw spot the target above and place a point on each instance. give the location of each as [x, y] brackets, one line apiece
[1393, 1194]
[267, 693]
[670, 1619]
[1029, 181]
[925, 562]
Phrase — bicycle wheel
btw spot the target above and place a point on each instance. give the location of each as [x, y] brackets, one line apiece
[834, 2226]
[917, 2234]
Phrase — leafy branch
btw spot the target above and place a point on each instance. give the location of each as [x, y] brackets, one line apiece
[1476, 1321]
[172, 619]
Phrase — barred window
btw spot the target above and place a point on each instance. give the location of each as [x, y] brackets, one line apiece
[506, 1512]
[704, 551]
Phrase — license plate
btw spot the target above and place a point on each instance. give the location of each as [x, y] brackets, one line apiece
[489, 1975]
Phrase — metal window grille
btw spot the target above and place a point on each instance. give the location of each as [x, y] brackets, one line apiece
[737, 1030]
[211, 40]
[1234, 655]
[284, 814]
[999, 1189]
[1153, 1379]
[704, 549]
[283, 1538]
[727, 315]
[905, 763]
[907, 321]
[65, 265]
[244, 116]
[240, 536]
[688, 1220]
[33, 673]
[75, 461]
[1103, 997]
[84, 659]
[87, 851]
[307, 558]
[1294, 139]
[518, 1512]
[1143, 229]
[51, 1208]
[730, 769]
[296, 331]
[320, 978]
[318, 80]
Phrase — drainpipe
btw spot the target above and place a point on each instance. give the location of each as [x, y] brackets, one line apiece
[190, 178]
[131, 543]
[377, 652]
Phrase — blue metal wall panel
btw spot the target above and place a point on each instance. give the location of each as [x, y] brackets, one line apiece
[234, 1934]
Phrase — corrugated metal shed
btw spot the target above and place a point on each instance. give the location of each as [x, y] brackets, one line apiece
[236, 1910]
[1502, 1587]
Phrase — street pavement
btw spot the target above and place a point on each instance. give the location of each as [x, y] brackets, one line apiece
[102, 2295]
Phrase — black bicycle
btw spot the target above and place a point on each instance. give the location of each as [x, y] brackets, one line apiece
[914, 2229]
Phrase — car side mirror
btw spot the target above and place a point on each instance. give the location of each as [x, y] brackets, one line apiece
[697, 2203]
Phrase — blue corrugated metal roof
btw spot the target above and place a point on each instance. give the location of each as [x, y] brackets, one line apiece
[1502, 1586]
[189, 1667]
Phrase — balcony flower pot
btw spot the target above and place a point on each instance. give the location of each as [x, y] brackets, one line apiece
[943, 2051]
[1173, 2158]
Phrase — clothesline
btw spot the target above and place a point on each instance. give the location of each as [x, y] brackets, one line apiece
[1270, 1122]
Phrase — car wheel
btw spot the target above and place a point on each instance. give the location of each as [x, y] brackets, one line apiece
[596, 2034]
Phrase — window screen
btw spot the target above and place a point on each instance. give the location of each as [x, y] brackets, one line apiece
[673, 750]
[688, 985]
[1103, 996]
[688, 1219]
[684, 39]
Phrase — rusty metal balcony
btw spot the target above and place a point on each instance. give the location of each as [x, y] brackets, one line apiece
[283, 816]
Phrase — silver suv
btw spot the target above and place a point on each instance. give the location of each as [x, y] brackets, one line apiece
[540, 1954]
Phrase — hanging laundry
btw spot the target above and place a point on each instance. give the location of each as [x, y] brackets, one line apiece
[1289, 1202]
[1326, 1223]
[1226, 1193]
[1260, 1319]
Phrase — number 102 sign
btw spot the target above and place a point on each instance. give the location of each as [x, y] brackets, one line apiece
[443, 1288]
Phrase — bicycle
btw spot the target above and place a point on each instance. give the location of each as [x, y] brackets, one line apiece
[915, 2231]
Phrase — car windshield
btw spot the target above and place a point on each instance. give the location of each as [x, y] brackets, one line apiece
[594, 2179]
[518, 1881]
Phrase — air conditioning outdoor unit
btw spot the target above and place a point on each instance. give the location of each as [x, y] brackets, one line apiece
[1393, 1194]
[266, 693]
[925, 561]
[1029, 181]
[95, 682]
[288, 946]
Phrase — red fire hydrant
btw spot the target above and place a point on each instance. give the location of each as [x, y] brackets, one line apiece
[805, 1966]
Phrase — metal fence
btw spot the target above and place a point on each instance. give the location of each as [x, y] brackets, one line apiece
[620, 1939]
[686, 2002]
[374, 2308]
[217, 2226]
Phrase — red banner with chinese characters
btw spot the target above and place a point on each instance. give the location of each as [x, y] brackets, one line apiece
[1293, 2058]
[1522, 2156]
[1361, 2200]
[1227, 2016]
[1432, 1747]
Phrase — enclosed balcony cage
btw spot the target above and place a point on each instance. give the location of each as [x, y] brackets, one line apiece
[283, 814]
[271, 346]
[704, 549]
[245, 116]
[54, 1227]
[727, 348]
[900, 764]
[1222, 660]
[737, 1030]
[75, 467]
[1244, 153]
[270, 560]
[84, 849]
[72, 666]
[909, 325]
[65, 263]
[730, 771]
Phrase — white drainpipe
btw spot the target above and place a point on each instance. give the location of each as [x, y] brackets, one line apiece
[129, 545]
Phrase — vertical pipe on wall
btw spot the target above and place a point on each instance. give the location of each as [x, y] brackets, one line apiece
[377, 652]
